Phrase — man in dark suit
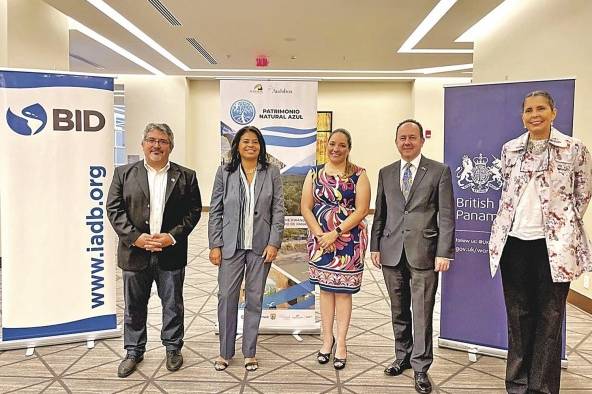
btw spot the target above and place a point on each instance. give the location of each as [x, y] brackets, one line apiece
[412, 241]
[153, 205]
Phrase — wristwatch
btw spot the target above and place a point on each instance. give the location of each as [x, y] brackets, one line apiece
[338, 230]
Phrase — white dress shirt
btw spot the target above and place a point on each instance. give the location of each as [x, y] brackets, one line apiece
[157, 183]
[528, 220]
[248, 209]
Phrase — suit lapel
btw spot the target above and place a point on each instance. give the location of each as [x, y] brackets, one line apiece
[259, 180]
[172, 179]
[421, 171]
[142, 179]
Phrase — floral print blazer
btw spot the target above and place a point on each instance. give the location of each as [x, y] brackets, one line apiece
[564, 183]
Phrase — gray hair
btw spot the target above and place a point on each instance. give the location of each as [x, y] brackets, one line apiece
[160, 127]
[542, 93]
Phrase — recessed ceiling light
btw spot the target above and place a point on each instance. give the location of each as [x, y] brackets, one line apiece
[425, 26]
[74, 25]
[126, 24]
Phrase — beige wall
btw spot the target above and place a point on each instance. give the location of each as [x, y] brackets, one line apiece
[428, 108]
[156, 99]
[547, 41]
[203, 140]
[370, 111]
[38, 38]
[3, 33]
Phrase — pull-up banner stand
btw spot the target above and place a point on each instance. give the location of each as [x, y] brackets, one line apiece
[286, 114]
[478, 120]
[56, 159]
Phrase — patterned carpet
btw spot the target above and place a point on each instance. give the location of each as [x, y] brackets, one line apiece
[286, 365]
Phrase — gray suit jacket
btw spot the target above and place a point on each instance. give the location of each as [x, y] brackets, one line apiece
[424, 225]
[268, 222]
[128, 208]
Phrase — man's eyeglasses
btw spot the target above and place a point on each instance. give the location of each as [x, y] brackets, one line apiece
[154, 141]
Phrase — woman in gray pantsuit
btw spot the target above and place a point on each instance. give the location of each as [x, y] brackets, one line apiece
[245, 231]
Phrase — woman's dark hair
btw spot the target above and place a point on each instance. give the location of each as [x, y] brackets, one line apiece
[235, 159]
[349, 167]
[543, 93]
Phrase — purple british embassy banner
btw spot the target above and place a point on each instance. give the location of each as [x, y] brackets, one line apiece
[478, 120]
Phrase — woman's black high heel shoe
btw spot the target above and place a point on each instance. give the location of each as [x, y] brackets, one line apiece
[323, 358]
[339, 363]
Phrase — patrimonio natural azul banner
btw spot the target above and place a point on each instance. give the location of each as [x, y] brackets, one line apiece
[286, 114]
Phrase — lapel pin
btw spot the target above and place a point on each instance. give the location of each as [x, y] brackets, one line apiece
[172, 179]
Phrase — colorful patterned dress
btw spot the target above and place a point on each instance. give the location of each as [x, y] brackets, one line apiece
[334, 200]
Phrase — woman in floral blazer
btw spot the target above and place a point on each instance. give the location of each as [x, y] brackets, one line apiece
[538, 240]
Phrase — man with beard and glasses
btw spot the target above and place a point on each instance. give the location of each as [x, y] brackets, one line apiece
[153, 205]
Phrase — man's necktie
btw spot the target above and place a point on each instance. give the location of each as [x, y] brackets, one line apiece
[407, 181]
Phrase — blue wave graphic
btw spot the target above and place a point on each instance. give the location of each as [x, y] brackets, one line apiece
[225, 129]
[289, 130]
[289, 142]
[97, 323]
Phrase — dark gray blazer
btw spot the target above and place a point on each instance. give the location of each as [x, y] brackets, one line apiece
[268, 222]
[424, 225]
[128, 208]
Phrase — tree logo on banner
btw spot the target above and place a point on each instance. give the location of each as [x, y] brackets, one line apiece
[20, 124]
[475, 173]
[242, 112]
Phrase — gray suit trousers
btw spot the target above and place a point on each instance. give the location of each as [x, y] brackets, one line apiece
[230, 276]
[408, 288]
[136, 293]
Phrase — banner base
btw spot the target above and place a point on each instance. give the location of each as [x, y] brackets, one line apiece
[471, 349]
[60, 339]
[310, 329]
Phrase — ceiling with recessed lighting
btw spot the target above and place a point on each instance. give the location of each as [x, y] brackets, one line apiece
[327, 39]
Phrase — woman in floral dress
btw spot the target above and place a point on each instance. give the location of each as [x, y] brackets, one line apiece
[335, 201]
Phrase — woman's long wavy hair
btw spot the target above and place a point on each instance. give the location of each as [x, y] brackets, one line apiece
[235, 159]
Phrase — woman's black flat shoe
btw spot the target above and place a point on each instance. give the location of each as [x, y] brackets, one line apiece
[323, 358]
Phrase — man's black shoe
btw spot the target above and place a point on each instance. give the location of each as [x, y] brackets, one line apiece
[422, 383]
[128, 365]
[174, 360]
[397, 367]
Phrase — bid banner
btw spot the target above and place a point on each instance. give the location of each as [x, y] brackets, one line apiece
[478, 120]
[286, 114]
[58, 256]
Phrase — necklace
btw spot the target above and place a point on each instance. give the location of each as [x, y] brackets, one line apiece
[536, 147]
[335, 172]
[250, 172]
